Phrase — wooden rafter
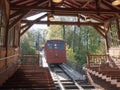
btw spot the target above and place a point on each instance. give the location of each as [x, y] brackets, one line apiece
[25, 30]
[97, 18]
[61, 23]
[99, 31]
[69, 4]
[102, 30]
[32, 13]
[98, 2]
[67, 10]
[109, 5]
[26, 2]
[24, 26]
[118, 29]
[43, 3]
[29, 24]
[72, 4]
[33, 3]
[86, 3]
[17, 13]
[18, 19]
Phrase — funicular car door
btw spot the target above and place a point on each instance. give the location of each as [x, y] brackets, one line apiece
[59, 50]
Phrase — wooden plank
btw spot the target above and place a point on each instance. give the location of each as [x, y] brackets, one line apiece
[75, 10]
[16, 21]
[61, 22]
[99, 31]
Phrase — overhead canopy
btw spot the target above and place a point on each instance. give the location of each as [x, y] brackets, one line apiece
[100, 11]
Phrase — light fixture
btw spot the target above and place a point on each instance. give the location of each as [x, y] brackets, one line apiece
[57, 1]
[51, 17]
[116, 2]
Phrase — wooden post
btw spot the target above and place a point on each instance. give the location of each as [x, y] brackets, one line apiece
[88, 61]
[7, 29]
[39, 62]
[118, 29]
[106, 44]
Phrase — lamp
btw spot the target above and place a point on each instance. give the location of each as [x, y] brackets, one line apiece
[51, 17]
[57, 1]
[116, 2]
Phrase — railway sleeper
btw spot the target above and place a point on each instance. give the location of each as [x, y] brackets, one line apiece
[27, 86]
[87, 87]
[71, 87]
[52, 88]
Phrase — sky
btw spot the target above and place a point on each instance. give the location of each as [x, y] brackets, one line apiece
[41, 26]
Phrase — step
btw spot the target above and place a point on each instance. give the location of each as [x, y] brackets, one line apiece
[87, 87]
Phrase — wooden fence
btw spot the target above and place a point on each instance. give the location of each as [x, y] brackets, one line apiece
[30, 59]
[96, 60]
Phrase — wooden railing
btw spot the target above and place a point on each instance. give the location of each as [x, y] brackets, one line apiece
[12, 55]
[115, 55]
[30, 59]
[96, 60]
[8, 57]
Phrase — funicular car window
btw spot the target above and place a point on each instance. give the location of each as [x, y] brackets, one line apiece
[50, 45]
[62, 46]
[56, 46]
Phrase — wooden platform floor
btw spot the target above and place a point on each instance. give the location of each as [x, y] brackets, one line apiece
[30, 77]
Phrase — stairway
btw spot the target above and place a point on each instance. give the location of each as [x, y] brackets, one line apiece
[114, 53]
[30, 77]
[107, 78]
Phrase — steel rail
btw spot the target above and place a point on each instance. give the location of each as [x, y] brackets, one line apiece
[60, 83]
[58, 80]
[65, 70]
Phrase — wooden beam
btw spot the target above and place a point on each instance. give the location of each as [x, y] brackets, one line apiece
[25, 30]
[61, 23]
[24, 26]
[98, 2]
[104, 35]
[26, 2]
[97, 18]
[32, 13]
[86, 3]
[67, 10]
[118, 28]
[38, 19]
[28, 25]
[111, 19]
[99, 27]
[112, 7]
[106, 44]
[15, 14]
[43, 16]
[18, 19]
[32, 3]
[99, 31]
[71, 4]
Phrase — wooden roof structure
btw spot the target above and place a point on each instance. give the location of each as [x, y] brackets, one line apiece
[101, 11]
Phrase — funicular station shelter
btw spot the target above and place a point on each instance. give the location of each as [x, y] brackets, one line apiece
[103, 15]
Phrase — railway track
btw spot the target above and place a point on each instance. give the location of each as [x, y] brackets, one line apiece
[66, 80]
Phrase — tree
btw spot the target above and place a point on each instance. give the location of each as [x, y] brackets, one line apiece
[27, 44]
[54, 32]
[80, 41]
